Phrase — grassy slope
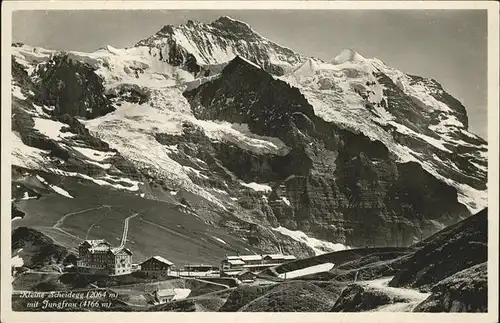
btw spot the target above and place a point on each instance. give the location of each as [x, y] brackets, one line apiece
[293, 296]
[243, 295]
[161, 229]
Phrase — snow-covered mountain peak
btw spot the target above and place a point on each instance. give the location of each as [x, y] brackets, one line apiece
[347, 55]
[200, 46]
[308, 69]
[226, 21]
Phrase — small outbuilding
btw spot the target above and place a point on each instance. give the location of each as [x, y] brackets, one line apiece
[163, 296]
[247, 276]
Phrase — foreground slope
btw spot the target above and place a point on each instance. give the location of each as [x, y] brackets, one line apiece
[458, 247]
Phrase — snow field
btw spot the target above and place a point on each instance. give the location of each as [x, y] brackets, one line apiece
[318, 246]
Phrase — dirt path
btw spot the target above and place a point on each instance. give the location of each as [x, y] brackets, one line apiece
[412, 296]
[60, 222]
[125, 231]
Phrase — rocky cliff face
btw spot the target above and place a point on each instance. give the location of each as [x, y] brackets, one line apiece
[465, 291]
[333, 182]
[71, 87]
[282, 151]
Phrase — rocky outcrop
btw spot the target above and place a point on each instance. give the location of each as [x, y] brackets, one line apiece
[437, 91]
[38, 250]
[16, 213]
[465, 291]
[446, 253]
[71, 87]
[462, 162]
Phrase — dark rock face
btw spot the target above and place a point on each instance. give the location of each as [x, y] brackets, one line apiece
[21, 77]
[16, 213]
[414, 115]
[218, 162]
[465, 291]
[89, 95]
[132, 93]
[440, 94]
[38, 249]
[445, 253]
[72, 88]
[342, 186]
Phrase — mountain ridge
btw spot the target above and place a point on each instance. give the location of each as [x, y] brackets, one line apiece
[201, 115]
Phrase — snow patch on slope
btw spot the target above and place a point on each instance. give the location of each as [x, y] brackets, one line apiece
[51, 129]
[318, 246]
[181, 293]
[61, 191]
[26, 156]
[220, 240]
[257, 187]
[16, 91]
[17, 261]
[307, 271]
[102, 181]
[55, 188]
[94, 154]
[26, 196]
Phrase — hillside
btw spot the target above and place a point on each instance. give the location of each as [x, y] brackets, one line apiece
[445, 253]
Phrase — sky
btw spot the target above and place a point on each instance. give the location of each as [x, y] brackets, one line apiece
[447, 45]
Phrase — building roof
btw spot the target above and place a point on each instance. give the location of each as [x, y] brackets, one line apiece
[160, 259]
[236, 262]
[95, 242]
[165, 292]
[280, 256]
[98, 245]
[260, 257]
[232, 257]
[117, 250]
[250, 257]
